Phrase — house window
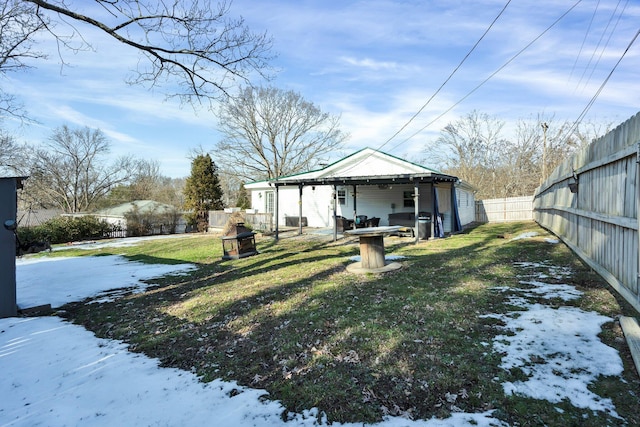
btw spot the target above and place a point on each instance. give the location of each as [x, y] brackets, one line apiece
[409, 201]
[342, 197]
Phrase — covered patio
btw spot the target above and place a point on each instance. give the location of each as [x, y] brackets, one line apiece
[423, 185]
[368, 188]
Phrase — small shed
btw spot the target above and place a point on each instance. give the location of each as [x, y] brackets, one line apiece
[368, 183]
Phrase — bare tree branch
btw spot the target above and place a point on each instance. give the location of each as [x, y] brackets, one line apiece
[17, 28]
[191, 48]
[190, 40]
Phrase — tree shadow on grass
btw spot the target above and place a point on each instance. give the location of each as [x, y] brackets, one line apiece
[292, 321]
[356, 347]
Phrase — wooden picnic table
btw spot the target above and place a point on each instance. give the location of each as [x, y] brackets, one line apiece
[372, 246]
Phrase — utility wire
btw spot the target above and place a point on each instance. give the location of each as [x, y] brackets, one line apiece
[598, 45]
[584, 40]
[593, 99]
[448, 78]
[613, 30]
[492, 74]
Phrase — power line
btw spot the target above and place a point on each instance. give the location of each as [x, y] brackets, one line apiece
[448, 78]
[607, 43]
[606, 80]
[584, 40]
[598, 45]
[491, 75]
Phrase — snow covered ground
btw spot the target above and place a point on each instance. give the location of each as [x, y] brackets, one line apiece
[57, 373]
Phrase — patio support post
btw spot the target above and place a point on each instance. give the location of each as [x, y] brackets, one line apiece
[276, 212]
[355, 211]
[300, 209]
[416, 207]
[436, 212]
[456, 224]
[335, 213]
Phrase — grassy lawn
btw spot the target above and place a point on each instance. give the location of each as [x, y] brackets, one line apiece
[413, 342]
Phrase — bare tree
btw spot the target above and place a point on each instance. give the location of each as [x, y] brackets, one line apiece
[563, 139]
[192, 43]
[147, 183]
[270, 132]
[146, 180]
[232, 187]
[473, 149]
[18, 25]
[470, 148]
[12, 156]
[71, 172]
[519, 171]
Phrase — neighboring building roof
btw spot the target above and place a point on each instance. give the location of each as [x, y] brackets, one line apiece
[362, 167]
[143, 206]
[34, 217]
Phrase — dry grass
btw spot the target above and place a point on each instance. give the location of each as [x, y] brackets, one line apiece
[411, 343]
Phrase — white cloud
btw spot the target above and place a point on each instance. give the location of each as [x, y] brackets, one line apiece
[375, 63]
[371, 64]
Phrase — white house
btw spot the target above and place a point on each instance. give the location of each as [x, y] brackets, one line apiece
[371, 183]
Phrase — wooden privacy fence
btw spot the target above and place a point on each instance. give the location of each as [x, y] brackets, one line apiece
[505, 210]
[257, 221]
[599, 221]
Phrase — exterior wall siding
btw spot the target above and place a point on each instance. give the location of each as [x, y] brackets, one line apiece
[466, 206]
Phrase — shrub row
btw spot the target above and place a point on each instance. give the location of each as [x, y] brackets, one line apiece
[67, 229]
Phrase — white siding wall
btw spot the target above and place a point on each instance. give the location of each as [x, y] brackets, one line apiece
[466, 206]
[373, 201]
[259, 199]
[316, 203]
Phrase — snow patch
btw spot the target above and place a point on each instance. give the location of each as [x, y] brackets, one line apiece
[558, 349]
[61, 280]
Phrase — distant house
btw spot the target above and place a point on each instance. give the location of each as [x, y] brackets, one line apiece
[367, 183]
[34, 217]
[144, 217]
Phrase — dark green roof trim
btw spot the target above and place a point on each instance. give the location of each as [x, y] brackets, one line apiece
[369, 180]
[289, 177]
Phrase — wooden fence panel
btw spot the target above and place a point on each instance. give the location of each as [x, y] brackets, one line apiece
[257, 221]
[505, 210]
[600, 221]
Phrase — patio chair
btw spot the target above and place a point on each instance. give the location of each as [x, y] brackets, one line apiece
[343, 223]
[373, 222]
[361, 221]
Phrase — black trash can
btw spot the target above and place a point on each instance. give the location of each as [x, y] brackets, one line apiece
[424, 226]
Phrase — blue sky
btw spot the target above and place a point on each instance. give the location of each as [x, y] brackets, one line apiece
[374, 63]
